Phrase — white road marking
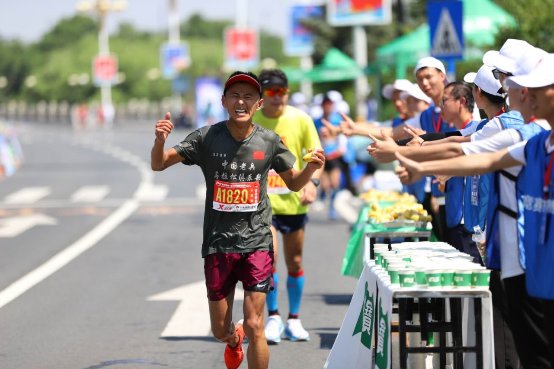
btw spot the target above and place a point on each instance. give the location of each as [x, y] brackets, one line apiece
[90, 194]
[27, 195]
[14, 226]
[67, 255]
[192, 316]
[151, 192]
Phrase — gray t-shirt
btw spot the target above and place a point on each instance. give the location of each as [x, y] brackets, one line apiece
[237, 214]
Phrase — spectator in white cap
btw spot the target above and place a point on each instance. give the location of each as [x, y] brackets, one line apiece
[535, 194]
[416, 100]
[392, 91]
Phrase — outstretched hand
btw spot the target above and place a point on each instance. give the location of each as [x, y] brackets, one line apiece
[382, 150]
[347, 125]
[409, 171]
[164, 127]
[414, 133]
[328, 129]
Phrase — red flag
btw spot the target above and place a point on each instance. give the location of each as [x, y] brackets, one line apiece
[258, 155]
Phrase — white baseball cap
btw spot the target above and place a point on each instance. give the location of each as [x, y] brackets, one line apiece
[399, 85]
[528, 61]
[415, 91]
[484, 79]
[506, 58]
[540, 76]
[429, 62]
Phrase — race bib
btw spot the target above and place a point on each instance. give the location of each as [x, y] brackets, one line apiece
[275, 184]
[236, 196]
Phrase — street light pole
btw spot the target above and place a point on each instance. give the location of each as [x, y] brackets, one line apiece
[102, 8]
[173, 20]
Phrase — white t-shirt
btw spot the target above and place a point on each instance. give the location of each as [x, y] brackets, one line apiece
[517, 151]
[492, 127]
[509, 248]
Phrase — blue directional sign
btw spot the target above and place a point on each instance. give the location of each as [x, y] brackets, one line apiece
[299, 41]
[445, 20]
[174, 57]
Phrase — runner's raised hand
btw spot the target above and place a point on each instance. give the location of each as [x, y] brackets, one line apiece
[164, 127]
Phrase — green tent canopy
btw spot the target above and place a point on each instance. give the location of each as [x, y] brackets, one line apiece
[482, 18]
[335, 66]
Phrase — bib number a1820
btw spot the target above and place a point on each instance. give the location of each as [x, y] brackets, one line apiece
[236, 196]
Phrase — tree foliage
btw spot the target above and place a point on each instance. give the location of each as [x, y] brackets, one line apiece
[67, 31]
[534, 23]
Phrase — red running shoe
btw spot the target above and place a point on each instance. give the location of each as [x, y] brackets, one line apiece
[234, 355]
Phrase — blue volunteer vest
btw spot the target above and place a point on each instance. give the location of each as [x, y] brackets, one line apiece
[476, 191]
[454, 193]
[429, 121]
[495, 205]
[538, 212]
[417, 189]
[396, 121]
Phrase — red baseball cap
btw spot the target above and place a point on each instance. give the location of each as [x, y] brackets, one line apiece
[251, 79]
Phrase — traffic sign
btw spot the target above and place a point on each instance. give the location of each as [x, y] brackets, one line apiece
[174, 57]
[445, 20]
[104, 70]
[241, 48]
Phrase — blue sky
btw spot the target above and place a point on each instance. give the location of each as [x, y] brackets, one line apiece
[27, 20]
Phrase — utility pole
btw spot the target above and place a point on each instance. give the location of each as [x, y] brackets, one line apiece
[101, 8]
[361, 85]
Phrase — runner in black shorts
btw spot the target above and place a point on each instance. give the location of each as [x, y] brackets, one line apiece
[235, 157]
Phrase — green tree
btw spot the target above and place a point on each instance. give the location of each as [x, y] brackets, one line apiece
[198, 27]
[14, 66]
[66, 31]
[534, 23]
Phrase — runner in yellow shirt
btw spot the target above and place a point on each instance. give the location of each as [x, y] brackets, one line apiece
[298, 132]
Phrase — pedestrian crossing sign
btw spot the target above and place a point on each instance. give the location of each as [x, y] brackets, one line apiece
[446, 25]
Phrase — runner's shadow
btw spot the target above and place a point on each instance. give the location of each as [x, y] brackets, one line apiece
[190, 338]
[326, 340]
[337, 299]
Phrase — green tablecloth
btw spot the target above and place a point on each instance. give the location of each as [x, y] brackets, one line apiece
[353, 261]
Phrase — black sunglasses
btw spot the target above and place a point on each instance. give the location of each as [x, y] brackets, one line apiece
[496, 73]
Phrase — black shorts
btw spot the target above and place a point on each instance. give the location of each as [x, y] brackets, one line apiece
[332, 164]
[289, 223]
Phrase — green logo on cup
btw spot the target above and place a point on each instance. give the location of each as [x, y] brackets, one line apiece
[480, 278]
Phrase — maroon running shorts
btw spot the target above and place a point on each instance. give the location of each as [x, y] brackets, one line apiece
[224, 270]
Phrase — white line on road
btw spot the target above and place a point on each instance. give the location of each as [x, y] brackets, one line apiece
[65, 256]
[90, 194]
[14, 226]
[27, 195]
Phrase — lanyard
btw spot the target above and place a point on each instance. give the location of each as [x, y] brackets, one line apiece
[547, 176]
[466, 123]
[436, 124]
[501, 111]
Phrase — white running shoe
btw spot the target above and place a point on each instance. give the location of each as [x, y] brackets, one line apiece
[295, 332]
[273, 329]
